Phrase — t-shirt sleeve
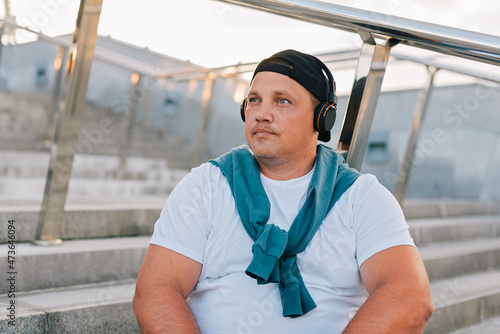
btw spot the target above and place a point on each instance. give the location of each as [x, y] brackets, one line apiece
[378, 220]
[183, 225]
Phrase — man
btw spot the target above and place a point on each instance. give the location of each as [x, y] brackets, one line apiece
[285, 238]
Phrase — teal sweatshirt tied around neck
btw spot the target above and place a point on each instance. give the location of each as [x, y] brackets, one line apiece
[274, 250]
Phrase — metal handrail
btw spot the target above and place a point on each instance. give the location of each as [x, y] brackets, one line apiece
[453, 41]
[489, 76]
[342, 56]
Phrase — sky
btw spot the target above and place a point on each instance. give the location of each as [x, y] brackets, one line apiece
[211, 33]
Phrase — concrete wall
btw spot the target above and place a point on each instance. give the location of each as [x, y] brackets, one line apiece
[458, 151]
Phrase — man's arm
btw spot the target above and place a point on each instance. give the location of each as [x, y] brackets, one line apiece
[400, 300]
[165, 281]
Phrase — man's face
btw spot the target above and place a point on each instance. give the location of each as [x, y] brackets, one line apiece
[279, 119]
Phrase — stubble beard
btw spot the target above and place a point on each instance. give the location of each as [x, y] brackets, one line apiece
[267, 156]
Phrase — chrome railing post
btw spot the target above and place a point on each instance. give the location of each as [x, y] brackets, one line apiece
[56, 94]
[418, 117]
[67, 128]
[200, 148]
[126, 141]
[363, 99]
[2, 25]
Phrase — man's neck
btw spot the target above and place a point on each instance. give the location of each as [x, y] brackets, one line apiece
[285, 170]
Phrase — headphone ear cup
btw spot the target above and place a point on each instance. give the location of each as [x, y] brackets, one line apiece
[243, 108]
[324, 116]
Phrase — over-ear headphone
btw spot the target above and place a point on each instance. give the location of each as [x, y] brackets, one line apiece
[324, 114]
[243, 108]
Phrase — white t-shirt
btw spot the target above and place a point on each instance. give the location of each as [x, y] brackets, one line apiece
[200, 221]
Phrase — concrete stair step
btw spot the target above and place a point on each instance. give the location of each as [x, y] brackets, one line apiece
[464, 301]
[414, 209]
[177, 156]
[491, 326]
[74, 262]
[92, 308]
[97, 217]
[447, 260]
[432, 230]
[32, 189]
[33, 165]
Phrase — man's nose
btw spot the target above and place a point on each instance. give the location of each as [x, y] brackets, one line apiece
[264, 112]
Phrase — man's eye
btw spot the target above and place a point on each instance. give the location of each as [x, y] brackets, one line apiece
[253, 99]
[283, 101]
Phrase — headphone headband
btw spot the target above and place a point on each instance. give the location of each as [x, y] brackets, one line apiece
[332, 86]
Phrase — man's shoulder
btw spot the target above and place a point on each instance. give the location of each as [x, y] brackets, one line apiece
[363, 182]
[205, 168]
[368, 194]
[366, 188]
[206, 181]
[206, 171]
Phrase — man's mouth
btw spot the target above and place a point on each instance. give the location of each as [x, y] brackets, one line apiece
[263, 131]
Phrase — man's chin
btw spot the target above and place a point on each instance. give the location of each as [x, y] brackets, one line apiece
[267, 157]
[267, 148]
